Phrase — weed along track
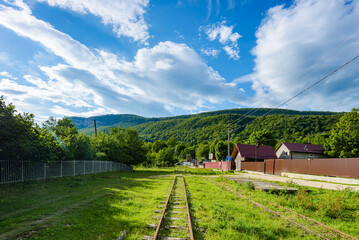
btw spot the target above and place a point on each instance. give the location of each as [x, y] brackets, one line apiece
[175, 220]
[308, 225]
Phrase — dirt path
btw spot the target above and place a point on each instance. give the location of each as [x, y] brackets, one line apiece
[324, 185]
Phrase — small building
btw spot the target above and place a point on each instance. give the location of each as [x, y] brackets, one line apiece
[251, 153]
[299, 151]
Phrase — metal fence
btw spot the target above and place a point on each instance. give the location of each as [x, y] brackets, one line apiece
[20, 171]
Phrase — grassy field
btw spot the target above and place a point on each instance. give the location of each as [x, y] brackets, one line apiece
[337, 209]
[102, 206]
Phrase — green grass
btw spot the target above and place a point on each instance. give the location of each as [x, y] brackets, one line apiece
[97, 206]
[102, 206]
[338, 209]
[225, 216]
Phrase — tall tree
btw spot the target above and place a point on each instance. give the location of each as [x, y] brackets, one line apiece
[203, 151]
[263, 137]
[343, 141]
[221, 150]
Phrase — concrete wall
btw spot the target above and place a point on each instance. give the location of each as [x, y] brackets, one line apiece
[296, 155]
[238, 162]
[282, 152]
[220, 165]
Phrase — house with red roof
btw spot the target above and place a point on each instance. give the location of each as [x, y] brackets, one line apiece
[299, 151]
[251, 153]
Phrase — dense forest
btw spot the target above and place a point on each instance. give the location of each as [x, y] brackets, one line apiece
[212, 125]
[165, 141]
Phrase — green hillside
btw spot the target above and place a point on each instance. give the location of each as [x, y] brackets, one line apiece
[208, 126]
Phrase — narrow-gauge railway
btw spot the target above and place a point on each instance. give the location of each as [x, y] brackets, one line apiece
[175, 220]
[316, 228]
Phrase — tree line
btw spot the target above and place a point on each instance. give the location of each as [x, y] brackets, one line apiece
[59, 139]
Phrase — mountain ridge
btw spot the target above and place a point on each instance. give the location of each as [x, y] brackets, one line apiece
[206, 125]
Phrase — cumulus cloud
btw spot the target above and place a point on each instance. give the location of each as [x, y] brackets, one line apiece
[299, 45]
[157, 80]
[210, 52]
[225, 35]
[231, 52]
[125, 16]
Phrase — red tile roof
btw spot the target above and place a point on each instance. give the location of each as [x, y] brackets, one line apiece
[254, 151]
[304, 148]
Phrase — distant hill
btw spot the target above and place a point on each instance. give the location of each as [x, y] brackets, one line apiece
[207, 125]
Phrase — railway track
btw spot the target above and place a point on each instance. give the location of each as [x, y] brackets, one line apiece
[308, 225]
[175, 221]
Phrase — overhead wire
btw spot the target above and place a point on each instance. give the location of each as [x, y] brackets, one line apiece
[308, 72]
[303, 91]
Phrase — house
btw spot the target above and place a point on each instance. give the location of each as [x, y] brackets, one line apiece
[251, 153]
[299, 151]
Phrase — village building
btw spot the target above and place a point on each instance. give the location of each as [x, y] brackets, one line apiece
[299, 151]
[251, 153]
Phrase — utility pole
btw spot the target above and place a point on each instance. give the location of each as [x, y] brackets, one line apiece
[94, 121]
[228, 149]
[195, 156]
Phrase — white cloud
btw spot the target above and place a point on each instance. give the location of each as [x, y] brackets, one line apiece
[210, 52]
[158, 79]
[244, 79]
[299, 45]
[60, 111]
[225, 35]
[232, 52]
[6, 74]
[125, 16]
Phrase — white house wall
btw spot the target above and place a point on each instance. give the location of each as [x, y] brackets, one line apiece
[283, 152]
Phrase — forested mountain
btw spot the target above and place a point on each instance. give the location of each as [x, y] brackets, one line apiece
[128, 120]
[207, 126]
[169, 140]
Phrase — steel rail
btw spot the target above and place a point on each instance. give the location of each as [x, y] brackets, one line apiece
[272, 211]
[188, 213]
[319, 223]
[155, 237]
[314, 221]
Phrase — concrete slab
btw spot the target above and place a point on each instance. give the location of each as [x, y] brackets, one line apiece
[262, 185]
[275, 178]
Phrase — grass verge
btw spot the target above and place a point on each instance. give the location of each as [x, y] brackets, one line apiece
[337, 209]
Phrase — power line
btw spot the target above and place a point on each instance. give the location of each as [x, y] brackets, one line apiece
[303, 91]
[308, 72]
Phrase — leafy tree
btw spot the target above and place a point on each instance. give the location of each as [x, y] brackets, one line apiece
[203, 151]
[158, 145]
[120, 145]
[343, 141]
[65, 132]
[19, 135]
[82, 149]
[263, 137]
[172, 142]
[221, 150]
[165, 157]
[190, 152]
[212, 146]
[179, 151]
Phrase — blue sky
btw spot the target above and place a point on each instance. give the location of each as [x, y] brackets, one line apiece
[162, 58]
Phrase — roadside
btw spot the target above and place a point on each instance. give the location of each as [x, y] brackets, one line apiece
[307, 183]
